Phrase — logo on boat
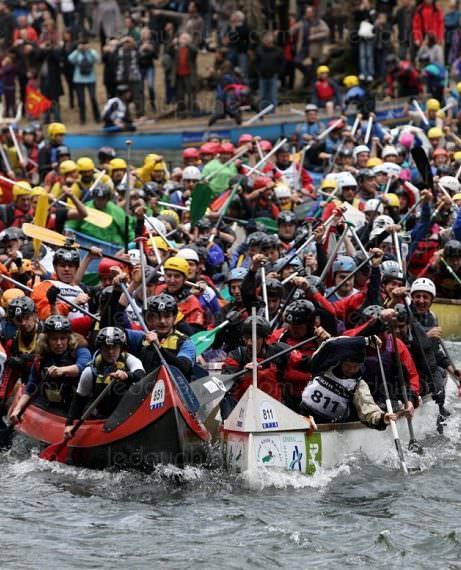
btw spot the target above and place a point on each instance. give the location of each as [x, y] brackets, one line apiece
[296, 459]
[269, 452]
[269, 419]
[158, 395]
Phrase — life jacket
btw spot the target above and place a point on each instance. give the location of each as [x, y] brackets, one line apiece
[188, 305]
[290, 174]
[14, 217]
[101, 378]
[59, 390]
[324, 90]
[148, 355]
[329, 397]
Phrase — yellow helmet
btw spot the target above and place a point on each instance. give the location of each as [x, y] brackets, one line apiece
[374, 161]
[458, 87]
[172, 214]
[56, 129]
[160, 243]
[329, 183]
[151, 158]
[392, 200]
[67, 166]
[432, 105]
[85, 164]
[118, 164]
[177, 264]
[9, 295]
[39, 191]
[23, 188]
[435, 133]
[457, 156]
[350, 81]
[159, 166]
[457, 197]
[322, 69]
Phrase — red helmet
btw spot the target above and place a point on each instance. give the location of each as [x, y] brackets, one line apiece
[265, 146]
[245, 138]
[262, 181]
[340, 123]
[190, 153]
[105, 264]
[226, 148]
[439, 152]
[209, 148]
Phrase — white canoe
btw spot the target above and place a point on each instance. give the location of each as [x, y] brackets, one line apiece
[262, 433]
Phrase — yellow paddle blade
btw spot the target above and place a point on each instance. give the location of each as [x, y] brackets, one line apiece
[40, 218]
[43, 234]
[98, 218]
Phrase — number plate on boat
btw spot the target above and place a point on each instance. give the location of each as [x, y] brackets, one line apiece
[158, 395]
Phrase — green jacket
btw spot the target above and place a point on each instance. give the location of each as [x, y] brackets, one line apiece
[115, 233]
[220, 182]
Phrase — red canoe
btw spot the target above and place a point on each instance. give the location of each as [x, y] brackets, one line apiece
[152, 425]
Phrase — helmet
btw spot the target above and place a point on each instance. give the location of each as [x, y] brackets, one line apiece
[170, 216]
[274, 287]
[263, 327]
[299, 312]
[450, 183]
[350, 81]
[266, 146]
[372, 311]
[374, 161]
[374, 205]
[434, 132]
[255, 239]
[62, 149]
[65, 255]
[359, 149]
[191, 152]
[10, 234]
[432, 105]
[57, 323]
[118, 164]
[106, 153]
[191, 173]
[177, 264]
[382, 222]
[270, 241]
[203, 224]
[344, 263]
[162, 303]
[244, 139]
[406, 139]
[101, 191]
[188, 254]
[283, 148]
[67, 166]
[84, 164]
[345, 179]
[457, 197]
[286, 218]
[55, 129]
[282, 191]
[390, 270]
[226, 148]
[392, 200]
[159, 242]
[322, 69]
[39, 191]
[389, 150]
[209, 148]
[105, 264]
[328, 183]
[391, 59]
[388, 168]
[237, 274]
[423, 284]
[12, 301]
[110, 336]
[23, 188]
[452, 248]
[310, 107]
[262, 181]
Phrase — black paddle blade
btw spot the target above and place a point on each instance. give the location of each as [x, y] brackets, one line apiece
[423, 165]
[415, 447]
[5, 435]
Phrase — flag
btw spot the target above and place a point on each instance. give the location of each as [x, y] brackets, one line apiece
[36, 102]
[220, 201]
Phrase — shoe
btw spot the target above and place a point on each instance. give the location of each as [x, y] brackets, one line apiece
[362, 77]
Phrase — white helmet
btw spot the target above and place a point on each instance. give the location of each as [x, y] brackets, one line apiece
[450, 183]
[389, 150]
[382, 222]
[282, 191]
[423, 284]
[157, 225]
[345, 179]
[135, 256]
[189, 254]
[359, 149]
[389, 168]
[191, 173]
[374, 205]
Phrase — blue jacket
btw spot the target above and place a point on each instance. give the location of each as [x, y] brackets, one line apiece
[76, 58]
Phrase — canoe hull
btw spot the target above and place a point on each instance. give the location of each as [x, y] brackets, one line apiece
[448, 313]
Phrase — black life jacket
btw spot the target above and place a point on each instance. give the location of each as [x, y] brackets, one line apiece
[148, 355]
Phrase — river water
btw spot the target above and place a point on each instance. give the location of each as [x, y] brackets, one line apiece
[355, 516]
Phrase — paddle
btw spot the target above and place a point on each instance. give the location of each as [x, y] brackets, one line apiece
[53, 238]
[204, 339]
[397, 442]
[58, 451]
[424, 167]
[450, 269]
[40, 218]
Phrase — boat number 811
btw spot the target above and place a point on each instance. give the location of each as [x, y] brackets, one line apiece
[268, 414]
[317, 397]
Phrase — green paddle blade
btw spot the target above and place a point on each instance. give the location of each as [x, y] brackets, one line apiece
[201, 198]
[203, 340]
[269, 223]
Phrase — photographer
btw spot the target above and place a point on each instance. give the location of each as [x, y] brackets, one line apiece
[84, 59]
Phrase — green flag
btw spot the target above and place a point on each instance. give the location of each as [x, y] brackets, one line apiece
[201, 197]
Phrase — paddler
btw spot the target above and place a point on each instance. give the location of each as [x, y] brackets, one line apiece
[20, 210]
[220, 181]
[47, 155]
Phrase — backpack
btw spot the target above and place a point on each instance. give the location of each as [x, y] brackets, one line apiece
[85, 65]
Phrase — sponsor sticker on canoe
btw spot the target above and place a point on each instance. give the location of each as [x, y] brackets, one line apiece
[269, 451]
[294, 449]
[314, 452]
[157, 398]
[268, 415]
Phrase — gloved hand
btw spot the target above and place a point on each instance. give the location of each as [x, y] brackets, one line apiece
[52, 294]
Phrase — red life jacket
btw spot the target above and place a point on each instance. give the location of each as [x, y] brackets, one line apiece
[324, 90]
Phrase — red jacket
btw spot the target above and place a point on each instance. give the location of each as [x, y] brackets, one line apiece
[428, 20]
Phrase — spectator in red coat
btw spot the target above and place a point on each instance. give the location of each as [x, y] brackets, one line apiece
[427, 19]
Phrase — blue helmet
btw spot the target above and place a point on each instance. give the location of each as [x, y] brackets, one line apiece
[344, 263]
[237, 274]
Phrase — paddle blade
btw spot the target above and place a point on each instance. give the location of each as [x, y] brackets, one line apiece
[98, 218]
[203, 340]
[269, 223]
[201, 197]
[56, 452]
[40, 218]
[43, 234]
[220, 201]
[211, 388]
[423, 165]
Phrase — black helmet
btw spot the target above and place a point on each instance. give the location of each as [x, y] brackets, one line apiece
[66, 255]
[286, 218]
[152, 189]
[270, 241]
[110, 336]
[372, 311]
[299, 312]
[452, 248]
[106, 153]
[263, 327]
[20, 307]
[203, 224]
[101, 191]
[162, 303]
[256, 239]
[57, 323]
[284, 148]
[11, 233]
[274, 287]
[61, 150]
[29, 130]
